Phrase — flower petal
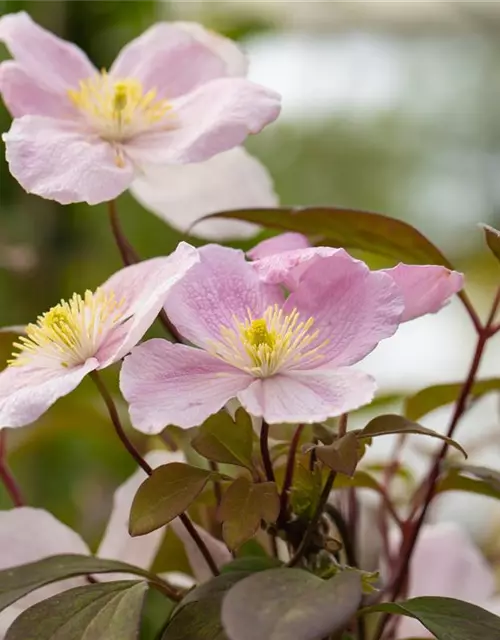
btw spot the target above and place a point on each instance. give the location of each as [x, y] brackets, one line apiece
[236, 62]
[426, 289]
[167, 383]
[59, 63]
[169, 59]
[446, 563]
[277, 244]
[288, 267]
[181, 195]
[308, 396]
[27, 392]
[353, 308]
[29, 535]
[54, 160]
[223, 285]
[216, 117]
[24, 95]
[117, 544]
[218, 550]
[144, 288]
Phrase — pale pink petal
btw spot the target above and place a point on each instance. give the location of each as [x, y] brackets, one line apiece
[215, 117]
[223, 285]
[61, 64]
[353, 309]
[24, 95]
[218, 550]
[143, 287]
[26, 392]
[28, 535]
[307, 396]
[182, 194]
[426, 289]
[167, 383]
[54, 160]
[446, 563]
[277, 244]
[169, 59]
[117, 543]
[287, 268]
[236, 62]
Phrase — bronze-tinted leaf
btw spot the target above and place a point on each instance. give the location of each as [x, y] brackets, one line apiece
[341, 455]
[243, 506]
[392, 423]
[222, 440]
[492, 236]
[349, 228]
[167, 493]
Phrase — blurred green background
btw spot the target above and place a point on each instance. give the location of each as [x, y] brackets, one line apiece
[387, 107]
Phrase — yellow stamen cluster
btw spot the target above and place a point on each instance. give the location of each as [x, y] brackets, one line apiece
[71, 332]
[267, 345]
[118, 108]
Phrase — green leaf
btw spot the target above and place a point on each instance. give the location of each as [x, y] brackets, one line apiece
[360, 479]
[109, 611]
[252, 564]
[341, 455]
[167, 493]
[306, 489]
[243, 506]
[222, 440]
[198, 616]
[446, 618]
[392, 423]
[280, 604]
[440, 395]
[492, 239]
[455, 481]
[16, 582]
[348, 228]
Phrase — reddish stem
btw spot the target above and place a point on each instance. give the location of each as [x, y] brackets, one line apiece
[6, 475]
[264, 451]
[290, 465]
[409, 541]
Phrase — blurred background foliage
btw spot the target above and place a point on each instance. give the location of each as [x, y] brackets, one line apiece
[388, 106]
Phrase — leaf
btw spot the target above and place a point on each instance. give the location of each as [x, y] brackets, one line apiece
[348, 228]
[280, 604]
[341, 455]
[392, 423]
[455, 481]
[198, 616]
[109, 611]
[440, 395]
[446, 618]
[252, 564]
[222, 440]
[167, 493]
[492, 236]
[306, 489]
[360, 479]
[16, 582]
[243, 506]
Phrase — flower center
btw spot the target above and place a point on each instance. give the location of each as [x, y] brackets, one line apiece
[118, 108]
[69, 333]
[270, 344]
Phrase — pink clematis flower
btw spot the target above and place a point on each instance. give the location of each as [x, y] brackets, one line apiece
[447, 563]
[286, 258]
[18, 545]
[181, 195]
[86, 333]
[284, 359]
[83, 135]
